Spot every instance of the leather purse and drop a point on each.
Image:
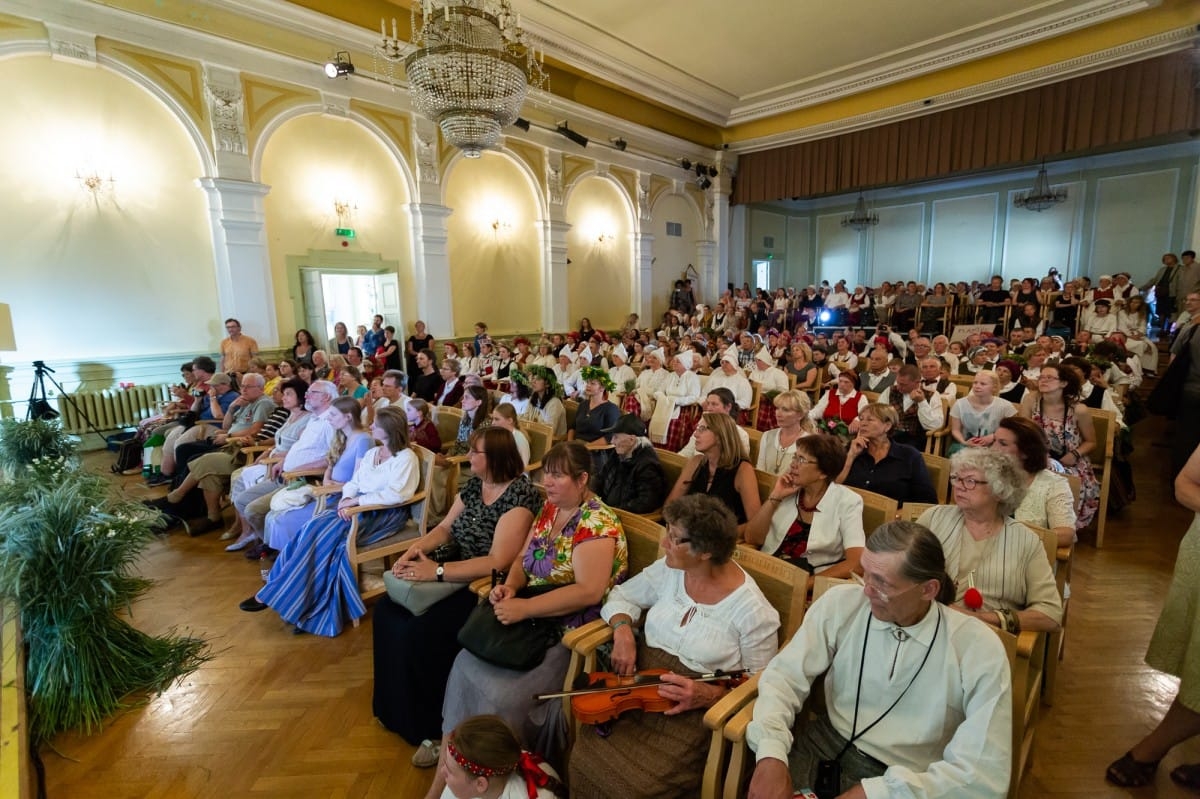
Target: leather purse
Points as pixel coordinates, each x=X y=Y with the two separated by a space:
x=520 y=646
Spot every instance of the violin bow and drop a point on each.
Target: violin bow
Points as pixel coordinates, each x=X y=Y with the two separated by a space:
x=641 y=681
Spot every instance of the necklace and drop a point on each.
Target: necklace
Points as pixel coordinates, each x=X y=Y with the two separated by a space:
x=804 y=508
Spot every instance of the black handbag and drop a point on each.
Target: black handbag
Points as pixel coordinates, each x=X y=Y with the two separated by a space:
x=520 y=646
x=1164 y=400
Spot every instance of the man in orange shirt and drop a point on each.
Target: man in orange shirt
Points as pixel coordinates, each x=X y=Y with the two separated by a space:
x=236 y=350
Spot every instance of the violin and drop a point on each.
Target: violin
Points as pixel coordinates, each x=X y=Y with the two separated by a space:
x=607 y=695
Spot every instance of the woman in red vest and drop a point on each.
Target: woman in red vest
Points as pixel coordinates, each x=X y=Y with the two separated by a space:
x=843 y=401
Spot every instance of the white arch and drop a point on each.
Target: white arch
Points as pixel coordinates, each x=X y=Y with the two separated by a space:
x=531 y=179
x=630 y=208
x=200 y=142
x=689 y=199
x=307 y=109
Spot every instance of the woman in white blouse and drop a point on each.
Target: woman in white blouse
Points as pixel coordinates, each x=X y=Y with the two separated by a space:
x=1048 y=501
x=975 y=417
x=778 y=446
x=702 y=613
x=808 y=519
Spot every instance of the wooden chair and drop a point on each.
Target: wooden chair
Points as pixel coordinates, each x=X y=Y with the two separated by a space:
x=572 y=408
x=936 y=440
x=755 y=440
x=939 y=473
x=397 y=542
x=766 y=482
x=447 y=418
x=755 y=402
x=672 y=464
x=541 y=439
x=877 y=509
x=1105 y=423
x=963 y=383
x=913 y=510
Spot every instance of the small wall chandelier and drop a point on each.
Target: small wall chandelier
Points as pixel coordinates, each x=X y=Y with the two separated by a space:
x=860 y=219
x=470 y=70
x=1042 y=195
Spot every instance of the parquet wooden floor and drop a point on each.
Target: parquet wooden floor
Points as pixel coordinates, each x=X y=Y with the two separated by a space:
x=276 y=715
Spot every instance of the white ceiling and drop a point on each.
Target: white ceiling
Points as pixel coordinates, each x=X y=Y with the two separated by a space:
x=732 y=61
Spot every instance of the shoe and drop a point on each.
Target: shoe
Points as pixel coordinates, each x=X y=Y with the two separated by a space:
x=1130 y=773
x=205 y=525
x=427 y=754
x=230 y=534
x=242 y=543
x=255 y=552
x=158 y=479
x=1187 y=776
x=252 y=605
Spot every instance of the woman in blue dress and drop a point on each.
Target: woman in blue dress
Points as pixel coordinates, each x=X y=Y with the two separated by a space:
x=312 y=584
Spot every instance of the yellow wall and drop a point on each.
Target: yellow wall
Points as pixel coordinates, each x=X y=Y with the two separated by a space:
x=599 y=276
x=126 y=272
x=671 y=254
x=495 y=272
x=309 y=162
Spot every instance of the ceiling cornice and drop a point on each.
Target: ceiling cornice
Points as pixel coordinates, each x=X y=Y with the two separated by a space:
x=1159 y=44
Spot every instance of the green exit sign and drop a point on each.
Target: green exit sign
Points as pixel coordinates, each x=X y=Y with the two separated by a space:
x=344 y=232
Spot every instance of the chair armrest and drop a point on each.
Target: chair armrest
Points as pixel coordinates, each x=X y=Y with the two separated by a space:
x=735 y=728
x=325 y=491
x=724 y=708
x=589 y=638
x=456 y=459
x=270 y=461
x=481 y=587
x=1063 y=554
x=571 y=637
x=1027 y=642
x=305 y=473
x=354 y=510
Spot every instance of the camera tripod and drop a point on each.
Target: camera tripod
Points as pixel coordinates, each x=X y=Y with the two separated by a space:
x=40 y=408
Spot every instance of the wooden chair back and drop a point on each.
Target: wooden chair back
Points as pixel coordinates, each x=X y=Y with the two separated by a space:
x=877 y=509
x=913 y=510
x=766 y=482
x=447 y=418
x=644 y=539
x=572 y=408
x=939 y=474
x=784 y=585
x=541 y=439
x=935 y=440
x=755 y=440
x=755 y=401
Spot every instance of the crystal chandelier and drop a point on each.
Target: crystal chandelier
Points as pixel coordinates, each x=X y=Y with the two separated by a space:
x=1042 y=195
x=860 y=220
x=470 y=70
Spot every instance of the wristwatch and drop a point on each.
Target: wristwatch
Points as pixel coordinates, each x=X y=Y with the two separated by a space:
x=441 y=572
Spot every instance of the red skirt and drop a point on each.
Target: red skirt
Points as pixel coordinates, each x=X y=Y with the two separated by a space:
x=680 y=430
x=766 y=415
x=631 y=404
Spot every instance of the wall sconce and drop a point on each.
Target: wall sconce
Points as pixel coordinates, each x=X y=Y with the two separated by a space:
x=345 y=212
x=91 y=181
x=501 y=227
x=605 y=238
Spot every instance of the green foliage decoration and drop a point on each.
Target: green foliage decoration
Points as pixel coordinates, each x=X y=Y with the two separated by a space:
x=68 y=548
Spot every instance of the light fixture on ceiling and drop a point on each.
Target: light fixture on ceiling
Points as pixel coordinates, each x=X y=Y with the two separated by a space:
x=619 y=143
x=339 y=66
x=1042 y=195
x=564 y=130
x=521 y=123
x=860 y=219
x=685 y=163
x=90 y=180
x=703 y=182
x=470 y=69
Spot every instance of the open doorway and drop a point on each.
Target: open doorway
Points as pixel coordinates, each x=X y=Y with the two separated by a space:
x=762 y=274
x=328 y=286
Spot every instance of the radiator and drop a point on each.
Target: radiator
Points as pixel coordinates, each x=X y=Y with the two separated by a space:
x=111 y=409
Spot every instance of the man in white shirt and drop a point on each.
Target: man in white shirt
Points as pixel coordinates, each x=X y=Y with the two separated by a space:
x=932 y=381
x=941 y=348
x=391 y=392
x=918 y=695
x=919 y=413
x=253 y=502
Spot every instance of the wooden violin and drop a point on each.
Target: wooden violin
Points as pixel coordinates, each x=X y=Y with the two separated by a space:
x=606 y=695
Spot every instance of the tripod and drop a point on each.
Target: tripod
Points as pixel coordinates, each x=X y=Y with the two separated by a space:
x=39 y=407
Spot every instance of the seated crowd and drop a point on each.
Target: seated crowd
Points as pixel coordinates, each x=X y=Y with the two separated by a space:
x=756 y=423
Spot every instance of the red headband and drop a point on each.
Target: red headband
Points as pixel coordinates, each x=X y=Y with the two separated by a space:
x=528 y=764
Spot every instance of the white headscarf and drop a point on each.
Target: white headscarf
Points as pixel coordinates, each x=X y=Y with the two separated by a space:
x=765 y=356
x=685 y=358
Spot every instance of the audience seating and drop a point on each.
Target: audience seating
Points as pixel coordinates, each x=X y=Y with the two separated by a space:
x=755 y=437
x=541 y=439
x=572 y=408
x=447 y=418
x=913 y=510
x=396 y=543
x=755 y=402
x=1105 y=423
x=672 y=464
x=939 y=473
x=936 y=440
x=877 y=509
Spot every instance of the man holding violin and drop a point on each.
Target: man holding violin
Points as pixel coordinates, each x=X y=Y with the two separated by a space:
x=703 y=613
x=918 y=696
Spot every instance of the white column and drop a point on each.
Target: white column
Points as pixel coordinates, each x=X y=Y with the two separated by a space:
x=643 y=275
x=241 y=260
x=1191 y=233
x=721 y=233
x=706 y=265
x=553 y=235
x=431 y=265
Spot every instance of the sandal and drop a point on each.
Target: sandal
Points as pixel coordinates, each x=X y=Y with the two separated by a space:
x=427 y=753
x=1187 y=776
x=1130 y=773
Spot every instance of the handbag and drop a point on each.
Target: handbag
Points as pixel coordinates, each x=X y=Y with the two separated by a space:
x=1165 y=399
x=293 y=496
x=418 y=597
x=520 y=646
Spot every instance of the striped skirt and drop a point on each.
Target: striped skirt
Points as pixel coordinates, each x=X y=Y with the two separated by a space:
x=766 y=415
x=679 y=430
x=312 y=585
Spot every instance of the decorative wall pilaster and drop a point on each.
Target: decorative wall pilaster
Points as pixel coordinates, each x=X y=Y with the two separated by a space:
x=227 y=118
x=431 y=265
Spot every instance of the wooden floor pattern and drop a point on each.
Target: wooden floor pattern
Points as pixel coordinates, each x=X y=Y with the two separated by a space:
x=277 y=715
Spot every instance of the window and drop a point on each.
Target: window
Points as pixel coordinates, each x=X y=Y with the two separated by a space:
x=675 y=229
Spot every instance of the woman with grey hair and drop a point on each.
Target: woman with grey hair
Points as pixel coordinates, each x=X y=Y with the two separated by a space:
x=987 y=550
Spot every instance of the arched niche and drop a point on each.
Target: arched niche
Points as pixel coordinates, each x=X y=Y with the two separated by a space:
x=672 y=253
x=312 y=162
x=600 y=247
x=140 y=242
x=494 y=245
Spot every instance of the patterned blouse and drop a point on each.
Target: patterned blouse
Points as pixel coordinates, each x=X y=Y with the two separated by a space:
x=547 y=561
x=475 y=527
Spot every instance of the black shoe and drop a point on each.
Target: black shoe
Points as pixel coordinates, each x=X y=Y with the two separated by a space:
x=252 y=605
x=205 y=525
x=255 y=552
x=158 y=480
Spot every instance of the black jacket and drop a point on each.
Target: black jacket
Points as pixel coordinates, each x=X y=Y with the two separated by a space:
x=636 y=484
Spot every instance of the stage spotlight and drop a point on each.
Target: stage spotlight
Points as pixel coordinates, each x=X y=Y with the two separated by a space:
x=685 y=163
x=578 y=138
x=339 y=66
x=619 y=143
x=824 y=316
x=703 y=182
x=522 y=123
x=713 y=172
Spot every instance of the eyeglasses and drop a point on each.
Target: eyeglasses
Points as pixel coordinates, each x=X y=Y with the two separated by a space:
x=674 y=541
x=969 y=483
x=476 y=452
x=882 y=595
x=802 y=461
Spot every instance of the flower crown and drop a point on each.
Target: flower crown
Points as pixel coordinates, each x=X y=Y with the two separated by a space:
x=599 y=375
